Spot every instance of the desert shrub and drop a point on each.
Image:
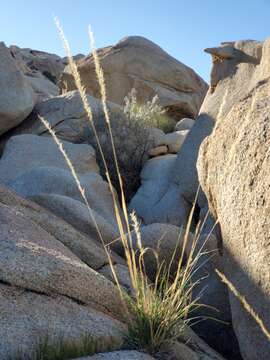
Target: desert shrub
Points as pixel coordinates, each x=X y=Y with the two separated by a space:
x=148 y=114
x=131 y=131
x=132 y=141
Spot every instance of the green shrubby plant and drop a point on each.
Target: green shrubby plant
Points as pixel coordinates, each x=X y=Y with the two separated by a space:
x=131 y=131
x=148 y=114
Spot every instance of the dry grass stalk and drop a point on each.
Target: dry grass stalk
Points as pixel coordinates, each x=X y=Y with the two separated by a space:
x=245 y=304
x=156 y=312
x=82 y=192
x=88 y=110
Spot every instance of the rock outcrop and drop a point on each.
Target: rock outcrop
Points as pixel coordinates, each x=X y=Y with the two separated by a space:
x=84 y=247
x=184 y=124
x=27 y=317
x=135 y=62
x=238 y=68
x=50 y=65
x=234 y=172
x=55 y=274
x=32 y=259
x=17 y=97
x=66 y=115
x=157 y=199
x=34 y=167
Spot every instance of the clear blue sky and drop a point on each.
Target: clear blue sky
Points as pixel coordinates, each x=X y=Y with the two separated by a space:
x=182 y=28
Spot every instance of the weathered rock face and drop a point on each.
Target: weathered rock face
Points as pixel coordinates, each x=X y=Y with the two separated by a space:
x=38 y=70
x=158 y=200
x=191 y=347
x=180 y=183
x=50 y=65
x=66 y=116
x=41 y=85
x=24 y=152
x=34 y=167
x=219 y=100
x=123 y=275
x=17 y=98
x=84 y=247
x=233 y=167
x=232 y=86
x=217 y=103
x=135 y=62
x=26 y=318
x=33 y=259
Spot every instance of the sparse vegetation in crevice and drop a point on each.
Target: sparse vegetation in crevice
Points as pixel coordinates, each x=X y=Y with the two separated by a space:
x=131 y=130
x=157 y=310
x=160 y=310
x=62 y=349
x=149 y=114
x=131 y=143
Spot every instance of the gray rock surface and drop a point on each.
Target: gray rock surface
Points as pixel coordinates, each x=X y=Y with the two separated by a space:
x=42 y=86
x=175 y=140
x=123 y=275
x=27 y=152
x=78 y=215
x=49 y=65
x=33 y=259
x=135 y=62
x=163 y=143
x=119 y=355
x=164 y=241
x=17 y=98
x=184 y=124
x=86 y=248
x=34 y=167
x=26 y=318
x=158 y=200
x=66 y=115
x=233 y=168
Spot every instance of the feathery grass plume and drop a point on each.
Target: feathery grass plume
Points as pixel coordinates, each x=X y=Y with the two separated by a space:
x=126 y=239
x=156 y=311
x=88 y=110
x=102 y=85
x=101 y=80
x=87 y=107
x=244 y=303
x=82 y=193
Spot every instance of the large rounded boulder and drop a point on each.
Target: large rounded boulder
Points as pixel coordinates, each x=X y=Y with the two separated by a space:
x=135 y=62
x=17 y=97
